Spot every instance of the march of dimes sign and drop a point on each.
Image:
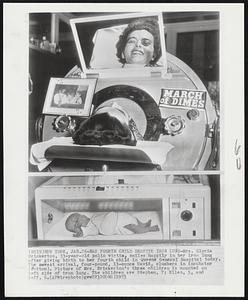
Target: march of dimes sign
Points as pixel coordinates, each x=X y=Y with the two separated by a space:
x=183 y=98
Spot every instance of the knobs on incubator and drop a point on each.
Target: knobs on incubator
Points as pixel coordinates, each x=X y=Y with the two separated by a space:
x=186 y=215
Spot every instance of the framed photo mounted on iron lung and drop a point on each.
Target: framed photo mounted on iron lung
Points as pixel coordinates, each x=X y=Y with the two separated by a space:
x=69 y=96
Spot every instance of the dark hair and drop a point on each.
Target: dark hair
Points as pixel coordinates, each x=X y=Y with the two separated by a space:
x=103 y=129
x=74 y=222
x=149 y=24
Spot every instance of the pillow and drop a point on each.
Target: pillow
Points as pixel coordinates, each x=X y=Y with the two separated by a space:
x=104 y=52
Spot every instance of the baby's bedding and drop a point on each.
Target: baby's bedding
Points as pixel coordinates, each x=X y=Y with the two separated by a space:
x=59 y=232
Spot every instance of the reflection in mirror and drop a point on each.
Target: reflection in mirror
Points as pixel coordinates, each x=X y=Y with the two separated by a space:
x=133 y=40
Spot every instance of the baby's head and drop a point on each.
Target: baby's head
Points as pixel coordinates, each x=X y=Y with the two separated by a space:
x=74 y=223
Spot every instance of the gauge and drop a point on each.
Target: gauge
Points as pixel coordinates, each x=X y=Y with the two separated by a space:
x=173 y=125
x=64 y=123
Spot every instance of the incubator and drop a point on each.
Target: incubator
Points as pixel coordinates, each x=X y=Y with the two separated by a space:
x=171 y=208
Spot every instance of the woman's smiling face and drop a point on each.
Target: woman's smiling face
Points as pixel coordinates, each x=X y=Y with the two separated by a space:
x=139 y=48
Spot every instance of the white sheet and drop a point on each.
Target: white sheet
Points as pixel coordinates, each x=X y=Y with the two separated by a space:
x=157 y=151
x=59 y=232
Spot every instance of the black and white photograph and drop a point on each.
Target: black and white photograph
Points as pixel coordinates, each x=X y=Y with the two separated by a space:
x=71 y=96
x=124 y=174
x=119 y=36
x=124 y=210
x=164 y=118
x=145 y=221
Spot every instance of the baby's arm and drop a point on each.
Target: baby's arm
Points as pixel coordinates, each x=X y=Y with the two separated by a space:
x=142 y=227
x=90 y=229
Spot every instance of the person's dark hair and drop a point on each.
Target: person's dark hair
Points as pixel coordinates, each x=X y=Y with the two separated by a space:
x=103 y=129
x=71 y=222
x=149 y=24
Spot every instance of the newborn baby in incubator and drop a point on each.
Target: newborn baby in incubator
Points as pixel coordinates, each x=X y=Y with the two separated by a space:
x=107 y=223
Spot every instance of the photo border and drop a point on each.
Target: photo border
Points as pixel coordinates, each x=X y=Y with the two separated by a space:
x=85 y=112
x=75 y=21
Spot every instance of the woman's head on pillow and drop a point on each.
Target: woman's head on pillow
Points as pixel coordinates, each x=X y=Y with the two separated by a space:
x=140 y=43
